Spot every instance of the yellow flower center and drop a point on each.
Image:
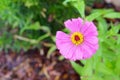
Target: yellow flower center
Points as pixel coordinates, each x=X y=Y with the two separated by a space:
x=77 y=38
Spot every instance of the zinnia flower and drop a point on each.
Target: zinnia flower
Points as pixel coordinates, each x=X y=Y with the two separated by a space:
x=80 y=43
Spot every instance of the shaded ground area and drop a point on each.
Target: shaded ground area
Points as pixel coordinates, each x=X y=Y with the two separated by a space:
x=34 y=65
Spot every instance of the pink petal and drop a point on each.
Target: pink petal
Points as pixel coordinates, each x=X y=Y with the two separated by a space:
x=64 y=44
x=93 y=48
x=67 y=50
x=62 y=35
x=89 y=29
x=91 y=40
x=74 y=24
x=87 y=53
x=79 y=54
x=61 y=38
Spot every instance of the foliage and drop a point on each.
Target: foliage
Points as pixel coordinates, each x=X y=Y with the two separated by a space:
x=104 y=65
x=29 y=23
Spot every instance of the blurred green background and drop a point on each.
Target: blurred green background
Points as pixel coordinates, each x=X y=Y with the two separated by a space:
x=28 y=23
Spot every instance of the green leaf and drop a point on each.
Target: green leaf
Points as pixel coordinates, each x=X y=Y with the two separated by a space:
x=101 y=67
x=66 y=1
x=113 y=77
x=43 y=37
x=45 y=28
x=34 y=26
x=88 y=68
x=60 y=58
x=117 y=67
x=97 y=13
x=80 y=6
x=66 y=30
x=51 y=50
x=102 y=25
x=77 y=67
x=115 y=28
x=112 y=15
x=118 y=40
x=93 y=16
x=95 y=77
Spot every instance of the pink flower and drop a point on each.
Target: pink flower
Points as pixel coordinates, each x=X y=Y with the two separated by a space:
x=81 y=43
